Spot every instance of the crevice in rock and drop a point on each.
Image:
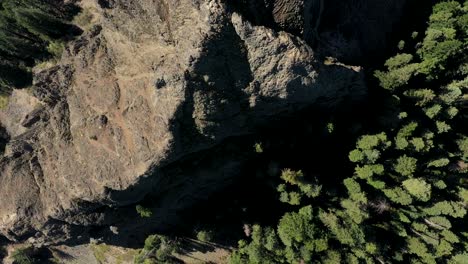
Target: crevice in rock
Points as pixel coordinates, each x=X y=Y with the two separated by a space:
x=107 y=4
x=4 y=139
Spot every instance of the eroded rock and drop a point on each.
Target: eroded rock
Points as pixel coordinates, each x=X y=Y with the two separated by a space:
x=106 y=130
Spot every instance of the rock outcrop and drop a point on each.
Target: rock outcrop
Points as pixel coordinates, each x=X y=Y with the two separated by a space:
x=350 y=30
x=151 y=83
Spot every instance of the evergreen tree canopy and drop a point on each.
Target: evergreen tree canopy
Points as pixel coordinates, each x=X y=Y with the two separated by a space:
x=406 y=201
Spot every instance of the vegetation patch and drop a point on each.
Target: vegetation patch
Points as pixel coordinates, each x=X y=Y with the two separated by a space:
x=205 y=235
x=406 y=200
x=3 y=101
x=100 y=251
x=157 y=249
x=31 y=31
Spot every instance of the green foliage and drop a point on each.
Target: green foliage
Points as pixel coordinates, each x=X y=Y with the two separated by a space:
x=23 y=256
x=3 y=101
x=405 y=165
x=432 y=111
x=463 y=147
x=296 y=227
x=353 y=209
x=157 y=249
x=449 y=208
x=418 y=188
x=396 y=77
x=356 y=155
x=258 y=148
x=420 y=96
x=463 y=194
x=401 y=45
x=143 y=211
x=398 y=195
x=56 y=48
x=354 y=190
x=367 y=171
x=368 y=142
x=439 y=162
x=407 y=199
x=100 y=251
x=298 y=187
x=398 y=61
x=205 y=235
x=292 y=177
x=442 y=127
x=330 y=127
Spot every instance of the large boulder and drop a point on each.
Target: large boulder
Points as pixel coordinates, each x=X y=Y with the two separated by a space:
x=151 y=83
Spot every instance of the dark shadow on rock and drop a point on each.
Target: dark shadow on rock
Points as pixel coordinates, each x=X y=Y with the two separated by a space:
x=61 y=255
x=214 y=93
x=258 y=12
x=357 y=32
x=216 y=82
x=12 y=75
x=3 y=252
x=33 y=47
x=35 y=255
x=4 y=138
x=364 y=32
x=212 y=131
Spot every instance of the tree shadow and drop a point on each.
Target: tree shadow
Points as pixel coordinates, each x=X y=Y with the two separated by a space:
x=187 y=247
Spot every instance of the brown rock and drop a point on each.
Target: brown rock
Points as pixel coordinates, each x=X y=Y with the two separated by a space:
x=108 y=126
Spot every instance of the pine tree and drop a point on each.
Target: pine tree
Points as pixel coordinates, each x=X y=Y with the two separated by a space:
x=407 y=199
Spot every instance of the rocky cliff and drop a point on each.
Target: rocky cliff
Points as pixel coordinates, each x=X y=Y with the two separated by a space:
x=354 y=31
x=149 y=85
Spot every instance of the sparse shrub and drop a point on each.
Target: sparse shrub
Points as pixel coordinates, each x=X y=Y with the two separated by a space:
x=23 y=256
x=157 y=249
x=205 y=235
x=56 y=48
x=143 y=211
x=100 y=252
x=258 y=147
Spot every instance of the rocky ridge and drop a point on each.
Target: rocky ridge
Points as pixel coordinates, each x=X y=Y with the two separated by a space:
x=151 y=83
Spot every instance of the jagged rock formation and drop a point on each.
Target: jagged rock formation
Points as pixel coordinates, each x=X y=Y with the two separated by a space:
x=150 y=84
x=350 y=30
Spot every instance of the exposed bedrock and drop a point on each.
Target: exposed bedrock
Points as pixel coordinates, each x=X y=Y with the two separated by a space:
x=353 y=31
x=148 y=89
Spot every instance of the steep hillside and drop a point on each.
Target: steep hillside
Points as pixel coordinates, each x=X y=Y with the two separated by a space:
x=148 y=84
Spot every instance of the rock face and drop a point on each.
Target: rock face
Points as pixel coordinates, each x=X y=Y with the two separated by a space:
x=350 y=30
x=150 y=84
